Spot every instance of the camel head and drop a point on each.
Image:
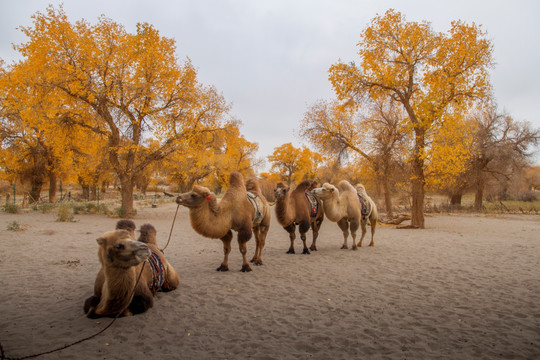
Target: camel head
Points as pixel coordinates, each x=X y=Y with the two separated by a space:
x=197 y=197
x=117 y=249
x=281 y=191
x=325 y=192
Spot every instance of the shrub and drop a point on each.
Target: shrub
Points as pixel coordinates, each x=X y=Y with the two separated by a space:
x=15 y=226
x=65 y=213
x=11 y=208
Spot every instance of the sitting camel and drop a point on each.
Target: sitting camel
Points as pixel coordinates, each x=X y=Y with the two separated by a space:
x=116 y=290
x=369 y=212
x=216 y=219
x=298 y=207
x=343 y=208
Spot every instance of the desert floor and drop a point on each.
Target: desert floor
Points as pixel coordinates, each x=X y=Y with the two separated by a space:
x=466 y=287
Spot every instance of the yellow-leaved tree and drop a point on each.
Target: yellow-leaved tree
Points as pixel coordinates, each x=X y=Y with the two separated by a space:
x=295 y=164
x=132 y=86
x=427 y=72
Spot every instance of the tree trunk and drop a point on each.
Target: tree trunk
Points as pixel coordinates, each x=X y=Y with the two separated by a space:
x=417 y=181
x=455 y=199
x=35 y=190
x=52 y=187
x=85 y=192
x=126 y=191
x=387 y=197
x=479 y=195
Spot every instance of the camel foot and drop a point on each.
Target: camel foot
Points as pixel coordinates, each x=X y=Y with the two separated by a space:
x=313 y=248
x=222 y=268
x=306 y=251
x=257 y=262
x=354 y=247
x=245 y=268
x=290 y=251
x=371 y=244
x=344 y=247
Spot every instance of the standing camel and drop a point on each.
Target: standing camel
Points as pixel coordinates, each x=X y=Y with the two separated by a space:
x=369 y=212
x=342 y=208
x=298 y=207
x=216 y=219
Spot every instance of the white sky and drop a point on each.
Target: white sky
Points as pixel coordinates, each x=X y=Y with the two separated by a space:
x=270 y=59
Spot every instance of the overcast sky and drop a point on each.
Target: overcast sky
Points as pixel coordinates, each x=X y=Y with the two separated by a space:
x=270 y=59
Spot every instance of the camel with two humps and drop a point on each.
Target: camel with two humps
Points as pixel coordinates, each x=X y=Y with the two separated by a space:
x=217 y=219
x=298 y=207
x=132 y=272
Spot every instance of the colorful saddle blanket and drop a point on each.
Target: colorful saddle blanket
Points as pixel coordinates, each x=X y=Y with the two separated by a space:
x=253 y=201
x=314 y=203
x=158 y=272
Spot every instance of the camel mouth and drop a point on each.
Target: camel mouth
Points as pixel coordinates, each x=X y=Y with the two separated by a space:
x=142 y=254
x=179 y=200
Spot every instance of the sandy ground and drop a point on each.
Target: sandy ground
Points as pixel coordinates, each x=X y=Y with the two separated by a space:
x=465 y=287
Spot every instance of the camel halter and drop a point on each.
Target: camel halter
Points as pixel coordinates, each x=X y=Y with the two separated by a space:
x=172 y=227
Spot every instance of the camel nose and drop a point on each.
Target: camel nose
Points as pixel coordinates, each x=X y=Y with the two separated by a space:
x=179 y=200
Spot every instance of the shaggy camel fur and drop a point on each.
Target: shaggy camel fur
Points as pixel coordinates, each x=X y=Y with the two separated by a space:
x=343 y=208
x=295 y=208
x=369 y=213
x=122 y=260
x=216 y=219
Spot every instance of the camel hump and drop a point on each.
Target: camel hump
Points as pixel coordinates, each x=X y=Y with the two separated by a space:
x=148 y=234
x=304 y=185
x=344 y=185
x=252 y=185
x=236 y=180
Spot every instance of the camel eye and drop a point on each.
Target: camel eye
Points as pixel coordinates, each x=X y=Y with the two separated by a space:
x=119 y=246
x=193 y=196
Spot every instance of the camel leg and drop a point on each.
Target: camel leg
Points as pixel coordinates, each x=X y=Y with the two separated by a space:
x=353 y=226
x=257 y=235
x=344 y=226
x=291 y=229
x=303 y=228
x=373 y=223
x=263 y=231
x=315 y=226
x=226 y=251
x=364 y=224
x=243 y=236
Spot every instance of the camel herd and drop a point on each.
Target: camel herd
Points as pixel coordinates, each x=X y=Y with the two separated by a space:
x=133 y=270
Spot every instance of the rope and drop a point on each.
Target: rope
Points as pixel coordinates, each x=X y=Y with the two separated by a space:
x=172 y=226
x=4 y=357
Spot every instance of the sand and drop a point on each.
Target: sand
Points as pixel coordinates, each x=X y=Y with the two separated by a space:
x=466 y=287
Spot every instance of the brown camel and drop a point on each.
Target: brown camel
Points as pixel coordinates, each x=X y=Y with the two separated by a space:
x=298 y=207
x=369 y=212
x=116 y=290
x=261 y=220
x=217 y=219
x=342 y=208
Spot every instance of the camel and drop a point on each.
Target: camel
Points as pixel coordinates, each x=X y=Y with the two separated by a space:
x=217 y=219
x=369 y=212
x=261 y=220
x=298 y=207
x=116 y=290
x=342 y=208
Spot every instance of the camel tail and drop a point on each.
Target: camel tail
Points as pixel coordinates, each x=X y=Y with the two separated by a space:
x=236 y=180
